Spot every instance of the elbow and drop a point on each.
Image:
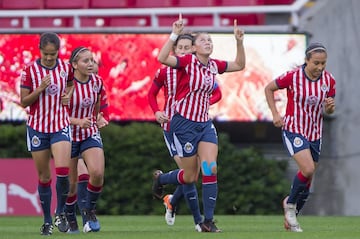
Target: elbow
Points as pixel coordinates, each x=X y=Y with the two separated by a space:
x=161 y=59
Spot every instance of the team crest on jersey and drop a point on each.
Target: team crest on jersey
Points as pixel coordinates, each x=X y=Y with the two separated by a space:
x=86 y=103
x=207 y=80
x=298 y=142
x=35 y=141
x=62 y=73
x=52 y=89
x=324 y=87
x=312 y=99
x=188 y=148
x=213 y=70
x=96 y=88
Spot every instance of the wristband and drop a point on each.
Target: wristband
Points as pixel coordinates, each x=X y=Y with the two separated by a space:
x=173 y=36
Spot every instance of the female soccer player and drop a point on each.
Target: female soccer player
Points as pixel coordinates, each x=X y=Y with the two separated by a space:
x=87 y=143
x=193 y=134
x=46 y=87
x=167 y=77
x=310 y=91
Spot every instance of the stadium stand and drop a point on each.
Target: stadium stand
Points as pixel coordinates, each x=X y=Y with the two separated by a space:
x=140 y=15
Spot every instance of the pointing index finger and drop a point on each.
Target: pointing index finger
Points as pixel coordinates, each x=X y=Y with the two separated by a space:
x=180 y=17
x=235 y=22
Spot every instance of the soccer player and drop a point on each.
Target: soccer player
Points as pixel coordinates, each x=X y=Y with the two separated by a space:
x=167 y=77
x=46 y=87
x=87 y=143
x=310 y=92
x=83 y=173
x=193 y=133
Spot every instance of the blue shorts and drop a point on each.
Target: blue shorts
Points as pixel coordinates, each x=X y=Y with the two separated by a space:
x=296 y=142
x=169 y=143
x=37 y=141
x=188 y=134
x=77 y=148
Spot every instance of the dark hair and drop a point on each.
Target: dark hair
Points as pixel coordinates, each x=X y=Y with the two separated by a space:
x=75 y=53
x=188 y=36
x=314 y=47
x=49 y=38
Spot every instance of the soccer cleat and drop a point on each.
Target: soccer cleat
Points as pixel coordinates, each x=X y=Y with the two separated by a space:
x=46 y=229
x=61 y=222
x=157 y=189
x=92 y=223
x=73 y=225
x=209 y=226
x=198 y=227
x=290 y=217
x=170 y=213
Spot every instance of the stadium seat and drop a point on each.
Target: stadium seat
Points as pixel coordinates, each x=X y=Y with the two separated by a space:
x=51 y=22
x=278 y=2
x=241 y=2
x=189 y=20
x=66 y=4
x=242 y=19
x=194 y=3
x=22 y=4
x=13 y=22
x=130 y=21
x=111 y=3
x=155 y=3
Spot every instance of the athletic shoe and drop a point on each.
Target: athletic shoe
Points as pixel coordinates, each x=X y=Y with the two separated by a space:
x=198 y=227
x=61 y=222
x=209 y=226
x=92 y=223
x=170 y=213
x=157 y=189
x=73 y=225
x=46 y=229
x=290 y=217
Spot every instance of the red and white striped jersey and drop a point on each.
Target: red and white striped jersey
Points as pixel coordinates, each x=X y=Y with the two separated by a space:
x=195 y=87
x=305 y=101
x=165 y=77
x=47 y=114
x=83 y=104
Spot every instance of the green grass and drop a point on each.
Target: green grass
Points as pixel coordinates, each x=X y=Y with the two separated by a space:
x=149 y=227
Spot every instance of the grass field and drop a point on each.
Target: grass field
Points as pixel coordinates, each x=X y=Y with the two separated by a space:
x=233 y=227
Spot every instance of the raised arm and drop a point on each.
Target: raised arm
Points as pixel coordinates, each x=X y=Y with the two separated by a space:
x=164 y=56
x=239 y=63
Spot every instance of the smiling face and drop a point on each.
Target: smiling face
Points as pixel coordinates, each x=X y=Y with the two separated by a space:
x=315 y=64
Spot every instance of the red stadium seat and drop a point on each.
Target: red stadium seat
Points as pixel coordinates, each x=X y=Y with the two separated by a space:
x=66 y=4
x=189 y=20
x=194 y=3
x=14 y=22
x=130 y=21
x=22 y=4
x=94 y=21
x=51 y=22
x=278 y=2
x=242 y=19
x=111 y=3
x=241 y=2
x=155 y=3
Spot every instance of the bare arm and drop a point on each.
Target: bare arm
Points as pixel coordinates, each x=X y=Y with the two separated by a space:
x=240 y=60
x=164 y=55
x=269 y=94
x=329 y=105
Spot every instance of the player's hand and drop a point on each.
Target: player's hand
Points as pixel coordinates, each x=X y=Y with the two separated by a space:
x=45 y=82
x=278 y=120
x=239 y=33
x=329 y=105
x=65 y=99
x=178 y=25
x=101 y=121
x=85 y=122
x=161 y=117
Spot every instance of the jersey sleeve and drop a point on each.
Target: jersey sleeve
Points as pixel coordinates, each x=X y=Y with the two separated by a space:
x=158 y=82
x=26 y=79
x=284 y=80
x=215 y=95
x=332 y=88
x=221 y=65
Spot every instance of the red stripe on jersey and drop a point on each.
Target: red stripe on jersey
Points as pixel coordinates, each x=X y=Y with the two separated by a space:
x=47 y=114
x=83 y=105
x=195 y=86
x=305 y=100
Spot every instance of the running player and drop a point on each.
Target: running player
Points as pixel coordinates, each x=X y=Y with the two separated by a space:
x=193 y=133
x=311 y=91
x=46 y=87
x=87 y=143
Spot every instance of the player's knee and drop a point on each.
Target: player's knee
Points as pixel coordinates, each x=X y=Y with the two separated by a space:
x=209 y=169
